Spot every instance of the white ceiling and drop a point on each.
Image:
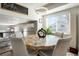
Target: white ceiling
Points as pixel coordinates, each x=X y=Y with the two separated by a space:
x=53 y=5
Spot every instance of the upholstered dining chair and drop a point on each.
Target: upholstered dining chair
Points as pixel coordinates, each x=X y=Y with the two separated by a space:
x=19 y=48
x=61 y=47
x=59 y=34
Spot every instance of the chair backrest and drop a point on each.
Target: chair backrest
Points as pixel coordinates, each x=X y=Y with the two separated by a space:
x=61 y=47
x=59 y=34
x=18 y=46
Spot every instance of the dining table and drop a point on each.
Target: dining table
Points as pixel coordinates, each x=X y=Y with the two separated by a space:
x=35 y=43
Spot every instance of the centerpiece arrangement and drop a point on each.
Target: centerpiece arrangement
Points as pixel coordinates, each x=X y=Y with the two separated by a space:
x=44 y=31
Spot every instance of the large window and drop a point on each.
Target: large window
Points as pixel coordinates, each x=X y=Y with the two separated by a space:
x=59 y=22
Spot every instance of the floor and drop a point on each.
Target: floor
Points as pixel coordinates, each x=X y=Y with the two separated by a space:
x=10 y=53
x=70 y=54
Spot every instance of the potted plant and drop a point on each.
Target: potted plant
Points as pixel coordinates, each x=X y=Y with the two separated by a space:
x=48 y=31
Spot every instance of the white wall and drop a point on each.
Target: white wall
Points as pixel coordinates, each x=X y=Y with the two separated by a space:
x=3 y=28
x=73 y=14
x=78 y=30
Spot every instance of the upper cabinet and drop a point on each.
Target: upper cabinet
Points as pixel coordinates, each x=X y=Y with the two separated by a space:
x=14 y=7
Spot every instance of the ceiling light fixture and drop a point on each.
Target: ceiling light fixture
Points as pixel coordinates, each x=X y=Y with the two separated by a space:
x=41 y=10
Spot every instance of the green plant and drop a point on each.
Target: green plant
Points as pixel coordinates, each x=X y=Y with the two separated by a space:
x=48 y=30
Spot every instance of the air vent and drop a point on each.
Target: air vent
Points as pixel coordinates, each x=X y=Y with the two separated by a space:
x=14 y=7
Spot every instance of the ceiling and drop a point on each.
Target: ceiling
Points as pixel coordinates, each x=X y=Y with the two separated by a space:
x=38 y=5
x=53 y=5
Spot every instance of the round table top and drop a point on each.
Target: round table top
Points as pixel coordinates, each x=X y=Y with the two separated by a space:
x=35 y=41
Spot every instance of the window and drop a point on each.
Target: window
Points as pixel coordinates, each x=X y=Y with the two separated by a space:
x=58 y=22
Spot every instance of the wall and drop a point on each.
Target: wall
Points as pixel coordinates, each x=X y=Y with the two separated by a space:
x=73 y=14
x=77 y=28
x=3 y=28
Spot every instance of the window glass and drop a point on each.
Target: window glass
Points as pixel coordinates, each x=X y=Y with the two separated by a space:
x=58 y=22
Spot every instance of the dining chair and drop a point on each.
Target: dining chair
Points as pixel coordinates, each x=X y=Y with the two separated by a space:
x=59 y=34
x=61 y=48
x=19 y=48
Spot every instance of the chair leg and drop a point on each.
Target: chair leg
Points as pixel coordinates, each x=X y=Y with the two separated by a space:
x=35 y=51
x=12 y=52
x=38 y=54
